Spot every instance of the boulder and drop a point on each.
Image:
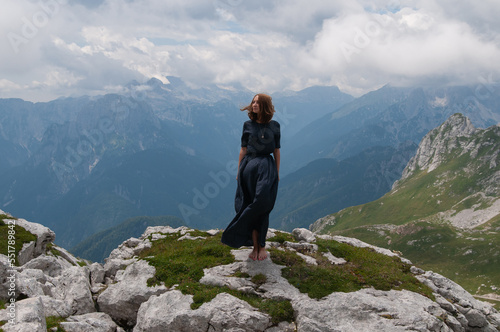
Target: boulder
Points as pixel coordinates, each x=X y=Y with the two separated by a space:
x=370 y=310
x=29 y=316
x=73 y=286
x=34 y=249
x=122 y=300
x=172 y=312
x=92 y=322
x=302 y=234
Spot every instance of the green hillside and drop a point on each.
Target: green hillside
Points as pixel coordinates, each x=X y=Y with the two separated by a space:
x=444 y=212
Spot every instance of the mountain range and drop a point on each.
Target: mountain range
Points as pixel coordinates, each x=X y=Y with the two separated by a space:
x=84 y=165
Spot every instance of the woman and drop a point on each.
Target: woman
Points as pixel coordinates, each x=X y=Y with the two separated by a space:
x=258 y=176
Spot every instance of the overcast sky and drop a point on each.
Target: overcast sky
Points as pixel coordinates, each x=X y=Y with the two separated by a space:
x=54 y=48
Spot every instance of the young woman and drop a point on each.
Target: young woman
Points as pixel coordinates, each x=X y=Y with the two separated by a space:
x=258 y=176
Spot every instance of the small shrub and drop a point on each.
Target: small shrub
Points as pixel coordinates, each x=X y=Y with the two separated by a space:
x=281 y=237
x=259 y=279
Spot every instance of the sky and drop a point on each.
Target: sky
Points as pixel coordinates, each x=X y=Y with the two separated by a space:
x=62 y=48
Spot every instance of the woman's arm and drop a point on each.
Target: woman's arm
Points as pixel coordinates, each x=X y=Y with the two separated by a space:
x=243 y=152
x=277 y=157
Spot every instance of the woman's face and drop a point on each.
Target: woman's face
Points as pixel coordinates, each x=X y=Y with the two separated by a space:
x=255 y=105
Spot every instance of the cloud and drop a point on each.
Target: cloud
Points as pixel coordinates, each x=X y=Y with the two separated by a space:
x=58 y=48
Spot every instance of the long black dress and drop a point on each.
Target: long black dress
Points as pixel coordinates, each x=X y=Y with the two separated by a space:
x=257 y=184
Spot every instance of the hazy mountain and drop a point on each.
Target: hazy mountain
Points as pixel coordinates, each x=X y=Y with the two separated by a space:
x=82 y=165
x=444 y=212
x=388 y=117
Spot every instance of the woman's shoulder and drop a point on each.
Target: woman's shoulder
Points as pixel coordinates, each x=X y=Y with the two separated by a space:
x=274 y=123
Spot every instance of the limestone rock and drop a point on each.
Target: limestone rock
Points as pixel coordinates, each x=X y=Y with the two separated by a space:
x=73 y=286
x=122 y=300
x=302 y=234
x=92 y=322
x=370 y=310
x=44 y=236
x=172 y=312
x=29 y=316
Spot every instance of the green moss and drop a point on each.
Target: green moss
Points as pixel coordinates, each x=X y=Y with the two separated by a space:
x=182 y=262
x=468 y=257
x=179 y=262
x=54 y=322
x=282 y=237
x=364 y=268
x=259 y=279
x=9 y=230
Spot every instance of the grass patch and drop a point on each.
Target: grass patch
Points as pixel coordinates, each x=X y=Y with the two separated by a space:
x=468 y=257
x=282 y=237
x=364 y=268
x=259 y=279
x=182 y=262
x=7 y=230
x=54 y=322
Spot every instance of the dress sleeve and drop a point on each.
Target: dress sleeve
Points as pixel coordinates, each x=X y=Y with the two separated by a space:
x=245 y=135
x=277 y=135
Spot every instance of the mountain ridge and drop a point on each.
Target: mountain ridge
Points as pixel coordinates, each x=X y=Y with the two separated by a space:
x=445 y=205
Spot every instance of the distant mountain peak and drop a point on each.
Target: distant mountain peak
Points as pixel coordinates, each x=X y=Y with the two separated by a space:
x=439 y=142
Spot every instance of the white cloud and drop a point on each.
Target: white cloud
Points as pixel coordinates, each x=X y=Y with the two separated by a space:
x=87 y=47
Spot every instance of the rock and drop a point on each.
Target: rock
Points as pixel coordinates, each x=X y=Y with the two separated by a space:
x=361 y=244
x=308 y=259
x=92 y=322
x=44 y=236
x=370 y=310
x=163 y=230
x=189 y=237
x=308 y=247
x=66 y=255
x=302 y=234
x=172 y=312
x=56 y=308
x=73 y=286
x=112 y=266
x=125 y=251
x=334 y=260
x=30 y=283
x=97 y=273
x=29 y=316
x=50 y=265
x=476 y=318
x=213 y=232
x=122 y=300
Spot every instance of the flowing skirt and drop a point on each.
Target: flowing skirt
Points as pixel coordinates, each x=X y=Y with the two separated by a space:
x=254 y=200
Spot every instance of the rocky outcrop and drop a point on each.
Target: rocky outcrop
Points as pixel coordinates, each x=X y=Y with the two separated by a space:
x=440 y=142
x=116 y=296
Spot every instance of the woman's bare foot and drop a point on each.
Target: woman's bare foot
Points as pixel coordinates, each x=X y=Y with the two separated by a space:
x=254 y=254
x=262 y=254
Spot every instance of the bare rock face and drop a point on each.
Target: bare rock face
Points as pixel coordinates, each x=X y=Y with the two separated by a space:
x=439 y=142
x=116 y=296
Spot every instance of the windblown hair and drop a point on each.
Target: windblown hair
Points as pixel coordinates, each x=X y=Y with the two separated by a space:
x=266 y=109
